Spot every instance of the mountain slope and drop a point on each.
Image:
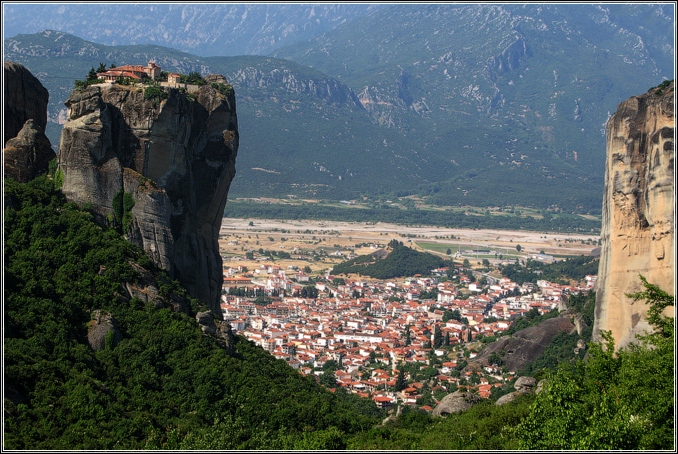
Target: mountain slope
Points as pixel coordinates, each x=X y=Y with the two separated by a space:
x=479 y=105
x=203 y=29
x=301 y=132
x=490 y=86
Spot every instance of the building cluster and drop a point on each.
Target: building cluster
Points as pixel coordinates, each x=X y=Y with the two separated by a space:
x=138 y=73
x=133 y=72
x=372 y=328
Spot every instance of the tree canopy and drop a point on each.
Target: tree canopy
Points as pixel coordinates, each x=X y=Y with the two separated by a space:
x=615 y=399
x=164 y=384
x=401 y=261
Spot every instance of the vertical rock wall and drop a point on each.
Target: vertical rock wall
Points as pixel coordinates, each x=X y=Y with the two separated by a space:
x=26 y=149
x=24 y=98
x=638 y=232
x=175 y=157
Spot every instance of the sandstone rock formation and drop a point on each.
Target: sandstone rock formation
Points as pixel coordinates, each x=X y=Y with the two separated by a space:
x=24 y=99
x=27 y=150
x=147 y=286
x=28 y=154
x=220 y=329
x=159 y=170
x=638 y=236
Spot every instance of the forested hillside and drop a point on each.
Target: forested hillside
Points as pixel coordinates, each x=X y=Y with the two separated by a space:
x=164 y=384
x=400 y=261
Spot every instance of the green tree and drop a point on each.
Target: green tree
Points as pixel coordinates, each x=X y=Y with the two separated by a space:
x=437 y=337
x=193 y=78
x=401 y=381
x=613 y=400
x=407 y=335
x=494 y=359
x=92 y=75
x=328 y=378
x=123 y=202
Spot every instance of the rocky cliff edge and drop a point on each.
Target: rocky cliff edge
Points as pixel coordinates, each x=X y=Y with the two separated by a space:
x=159 y=169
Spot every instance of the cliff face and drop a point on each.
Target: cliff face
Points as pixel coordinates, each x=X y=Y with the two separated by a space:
x=27 y=150
x=160 y=170
x=24 y=99
x=638 y=212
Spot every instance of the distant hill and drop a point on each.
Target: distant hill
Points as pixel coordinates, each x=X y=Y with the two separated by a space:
x=400 y=261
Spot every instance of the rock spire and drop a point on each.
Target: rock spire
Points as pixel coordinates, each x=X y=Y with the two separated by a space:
x=638 y=232
x=159 y=168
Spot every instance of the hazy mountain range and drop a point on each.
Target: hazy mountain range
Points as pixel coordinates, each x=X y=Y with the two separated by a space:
x=217 y=29
x=484 y=104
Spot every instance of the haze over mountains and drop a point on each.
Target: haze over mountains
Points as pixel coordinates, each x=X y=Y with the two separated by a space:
x=463 y=104
x=201 y=29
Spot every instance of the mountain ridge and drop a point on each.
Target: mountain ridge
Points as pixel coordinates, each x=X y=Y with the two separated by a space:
x=205 y=29
x=457 y=125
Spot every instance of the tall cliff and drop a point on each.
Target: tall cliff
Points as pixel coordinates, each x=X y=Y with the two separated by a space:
x=27 y=150
x=159 y=170
x=638 y=236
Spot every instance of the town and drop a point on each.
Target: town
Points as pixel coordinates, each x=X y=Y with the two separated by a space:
x=403 y=341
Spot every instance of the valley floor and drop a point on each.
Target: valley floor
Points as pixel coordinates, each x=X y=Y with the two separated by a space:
x=239 y=235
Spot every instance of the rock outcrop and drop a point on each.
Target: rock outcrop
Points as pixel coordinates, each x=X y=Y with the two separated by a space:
x=27 y=150
x=102 y=329
x=526 y=345
x=25 y=98
x=638 y=236
x=456 y=402
x=523 y=385
x=157 y=169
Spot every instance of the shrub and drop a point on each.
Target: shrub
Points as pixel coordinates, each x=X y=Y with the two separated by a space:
x=155 y=93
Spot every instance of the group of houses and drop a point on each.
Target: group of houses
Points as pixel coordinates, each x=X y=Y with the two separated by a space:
x=138 y=73
x=308 y=332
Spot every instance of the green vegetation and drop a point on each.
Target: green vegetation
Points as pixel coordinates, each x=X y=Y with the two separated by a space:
x=123 y=202
x=153 y=91
x=482 y=427
x=164 y=384
x=659 y=89
x=90 y=80
x=562 y=347
x=193 y=78
x=396 y=215
x=613 y=400
x=401 y=261
x=224 y=89
x=561 y=272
